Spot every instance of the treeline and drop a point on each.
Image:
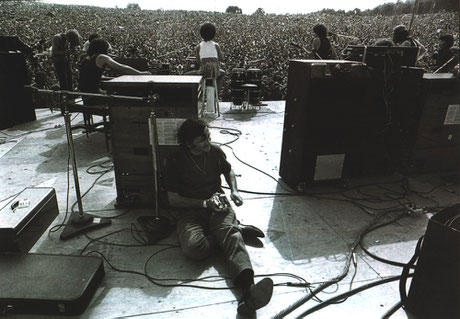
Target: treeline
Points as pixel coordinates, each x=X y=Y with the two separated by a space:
x=405 y=7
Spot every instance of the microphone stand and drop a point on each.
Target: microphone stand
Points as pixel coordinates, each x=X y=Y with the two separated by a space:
x=156 y=227
x=78 y=222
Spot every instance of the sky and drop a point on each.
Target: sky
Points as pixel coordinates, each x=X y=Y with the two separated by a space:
x=247 y=6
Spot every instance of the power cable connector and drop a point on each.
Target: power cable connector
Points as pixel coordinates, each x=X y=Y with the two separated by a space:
x=414 y=210
x=296 y=284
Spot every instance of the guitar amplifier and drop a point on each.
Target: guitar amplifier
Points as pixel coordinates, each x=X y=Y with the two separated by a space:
x=330 y=120
x=16 y=106
x=26 y=217
x=437 y=145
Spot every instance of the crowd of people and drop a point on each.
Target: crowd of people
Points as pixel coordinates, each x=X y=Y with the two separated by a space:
x=266 y=42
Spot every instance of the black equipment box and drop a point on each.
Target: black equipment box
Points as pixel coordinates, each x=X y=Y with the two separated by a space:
x=330 y=119
x=16 y=106
x=178 y=99
x=378 y=57
x=48 y=284
x=435 y=287
x=437 y=146
x=24 y=218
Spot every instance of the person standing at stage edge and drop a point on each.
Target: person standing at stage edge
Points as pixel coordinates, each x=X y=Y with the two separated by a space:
x=321 y=46
x=206 y=222
x=64 y=52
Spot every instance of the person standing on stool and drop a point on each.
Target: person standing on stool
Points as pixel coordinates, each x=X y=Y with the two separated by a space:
x=206 y=222
x=209 y=56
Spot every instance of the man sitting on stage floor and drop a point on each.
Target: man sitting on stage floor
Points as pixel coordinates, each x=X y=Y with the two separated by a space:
x=205 y=220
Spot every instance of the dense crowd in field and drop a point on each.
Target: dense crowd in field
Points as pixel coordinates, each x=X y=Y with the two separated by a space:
x=248 y=41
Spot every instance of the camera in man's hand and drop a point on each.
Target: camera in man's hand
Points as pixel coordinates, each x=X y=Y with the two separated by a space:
x=218 y=202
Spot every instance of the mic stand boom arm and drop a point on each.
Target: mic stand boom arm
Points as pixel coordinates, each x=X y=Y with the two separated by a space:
x=80 y=222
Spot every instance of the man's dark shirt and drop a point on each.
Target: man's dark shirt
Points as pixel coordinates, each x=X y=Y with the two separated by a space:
x=90 y=79
x=442 y=56
x=196 y=176
x=325 y=49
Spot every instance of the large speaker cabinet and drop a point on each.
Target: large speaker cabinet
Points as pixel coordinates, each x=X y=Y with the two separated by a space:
x=437 y=146
x=132 y=152
x=16 y=105
x=330 y=122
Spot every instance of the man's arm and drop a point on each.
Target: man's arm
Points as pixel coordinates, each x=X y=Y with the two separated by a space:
x=104 y=60
x=230 y=177
x=219 y=53
x=213 y=203
x=175 y=200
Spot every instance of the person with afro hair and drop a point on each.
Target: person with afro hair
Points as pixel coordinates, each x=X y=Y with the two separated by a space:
x=208 y=55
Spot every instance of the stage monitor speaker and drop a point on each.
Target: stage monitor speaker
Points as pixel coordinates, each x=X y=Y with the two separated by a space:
x=330 y=118
x=435 y=287
x=16 y=105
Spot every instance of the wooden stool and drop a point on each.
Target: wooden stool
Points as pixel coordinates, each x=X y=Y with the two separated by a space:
x=210 y=97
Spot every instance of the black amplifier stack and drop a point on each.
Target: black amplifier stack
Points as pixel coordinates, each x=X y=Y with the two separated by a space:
x=16 y=106
x=344 y=119
x=437 y=138
x=329 y=120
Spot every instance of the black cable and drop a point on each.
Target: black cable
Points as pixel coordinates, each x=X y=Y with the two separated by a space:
x=264 y=173
x=92 y=185
x=186 y=282
x=337 y=279
x=301 y=301
x=392 y=310
x=57 y=227
x=349 y=294
x=387 y=261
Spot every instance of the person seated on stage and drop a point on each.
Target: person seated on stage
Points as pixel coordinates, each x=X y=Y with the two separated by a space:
x=64 y=52
x=384 y=43
x=401 y=38
x=91 y=37
x=208 y=55
x=94 y=64
x=205 y=224
x=321 y=46
x=445 y=57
